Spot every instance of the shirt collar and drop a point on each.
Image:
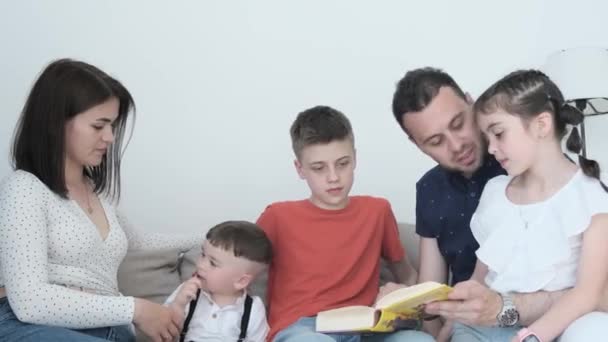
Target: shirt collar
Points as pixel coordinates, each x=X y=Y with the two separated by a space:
x=239 y=301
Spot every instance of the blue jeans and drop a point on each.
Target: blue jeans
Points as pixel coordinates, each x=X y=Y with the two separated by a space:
x=467 y=333
x=12 y=329
x=303 y=330
x=590 y=327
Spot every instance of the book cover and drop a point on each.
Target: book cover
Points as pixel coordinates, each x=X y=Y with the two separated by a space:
x=400 y=309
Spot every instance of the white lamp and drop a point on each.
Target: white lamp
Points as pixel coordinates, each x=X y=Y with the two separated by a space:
x=582 y=76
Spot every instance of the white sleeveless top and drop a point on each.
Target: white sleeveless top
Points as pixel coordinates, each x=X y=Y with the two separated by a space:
x=534 y=247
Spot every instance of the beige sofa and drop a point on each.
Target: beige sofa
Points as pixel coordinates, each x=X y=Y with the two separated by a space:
x=155 y=274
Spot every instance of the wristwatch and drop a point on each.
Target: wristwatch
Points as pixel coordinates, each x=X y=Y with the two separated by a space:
x=525 y=335
x=508 y=315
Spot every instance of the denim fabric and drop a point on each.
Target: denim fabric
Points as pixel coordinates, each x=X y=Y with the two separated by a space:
x=303 y=330
x=11 y=329
x=466 y=333
x=590 y=327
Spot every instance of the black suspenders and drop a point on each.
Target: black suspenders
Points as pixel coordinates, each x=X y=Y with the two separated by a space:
x=244 y=318
x=193 y=302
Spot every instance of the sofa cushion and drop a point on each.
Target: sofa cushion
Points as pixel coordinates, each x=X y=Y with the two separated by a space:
x=410 y=240
x=155 y=274
x=407 y=234
x=149 y=274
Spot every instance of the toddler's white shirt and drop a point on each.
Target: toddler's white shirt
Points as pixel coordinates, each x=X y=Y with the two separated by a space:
x=213 y=323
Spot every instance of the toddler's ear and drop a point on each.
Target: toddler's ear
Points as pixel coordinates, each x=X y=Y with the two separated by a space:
x=243 y=281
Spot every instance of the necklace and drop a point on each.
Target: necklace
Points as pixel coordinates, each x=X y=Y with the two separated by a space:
x=89 y=207
x=87 y=192
x=87 y=195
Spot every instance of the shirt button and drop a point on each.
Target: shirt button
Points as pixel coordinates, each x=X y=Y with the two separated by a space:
x=473 y=194
x=214 y=316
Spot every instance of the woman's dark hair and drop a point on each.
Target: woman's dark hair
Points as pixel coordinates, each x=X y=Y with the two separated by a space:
x=64 y=89
x=528 y=93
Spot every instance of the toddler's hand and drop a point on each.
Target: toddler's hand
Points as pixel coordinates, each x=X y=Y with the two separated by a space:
x=187 y=292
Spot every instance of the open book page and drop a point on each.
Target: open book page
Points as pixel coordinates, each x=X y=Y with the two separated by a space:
x=397 y=310
x=412 y=297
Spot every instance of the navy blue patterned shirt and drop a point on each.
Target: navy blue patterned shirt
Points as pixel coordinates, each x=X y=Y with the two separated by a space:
x=445 y=202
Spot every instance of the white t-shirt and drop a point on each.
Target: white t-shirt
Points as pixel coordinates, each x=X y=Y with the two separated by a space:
x=534 y=247
x=223 y=324
x=46 y=240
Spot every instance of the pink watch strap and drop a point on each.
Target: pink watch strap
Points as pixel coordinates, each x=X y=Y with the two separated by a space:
x=525 y=332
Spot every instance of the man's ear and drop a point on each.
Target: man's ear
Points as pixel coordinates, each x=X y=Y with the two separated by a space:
x=243 y=281
x=298 y=166
x=543 y=124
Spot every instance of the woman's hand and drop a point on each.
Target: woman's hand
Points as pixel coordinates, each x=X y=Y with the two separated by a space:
x=158 y=322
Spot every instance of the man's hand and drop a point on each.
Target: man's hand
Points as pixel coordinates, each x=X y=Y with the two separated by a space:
x=470 y=303
x=388 y=288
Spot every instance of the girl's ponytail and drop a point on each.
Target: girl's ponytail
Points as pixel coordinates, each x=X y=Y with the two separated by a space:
x=574 y=117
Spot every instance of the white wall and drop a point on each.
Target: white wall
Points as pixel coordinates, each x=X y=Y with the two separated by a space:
x=217 y=84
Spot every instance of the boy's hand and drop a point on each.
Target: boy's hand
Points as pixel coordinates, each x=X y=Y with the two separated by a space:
x=388 y=288
x=187 y=292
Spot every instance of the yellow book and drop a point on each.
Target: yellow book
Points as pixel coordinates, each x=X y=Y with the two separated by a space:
x=396 y=310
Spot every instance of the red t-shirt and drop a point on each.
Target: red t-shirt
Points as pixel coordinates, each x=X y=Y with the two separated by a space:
x=324 y=259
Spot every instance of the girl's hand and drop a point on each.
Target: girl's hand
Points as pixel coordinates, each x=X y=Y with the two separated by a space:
x=445 y=333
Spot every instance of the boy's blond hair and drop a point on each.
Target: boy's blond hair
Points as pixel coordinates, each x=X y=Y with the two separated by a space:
x=319 y=125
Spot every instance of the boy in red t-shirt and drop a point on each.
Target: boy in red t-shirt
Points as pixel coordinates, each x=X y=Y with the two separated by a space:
x=327 y=248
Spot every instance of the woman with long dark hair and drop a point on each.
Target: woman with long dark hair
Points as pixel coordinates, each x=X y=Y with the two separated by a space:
x=61 y=239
